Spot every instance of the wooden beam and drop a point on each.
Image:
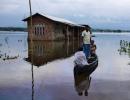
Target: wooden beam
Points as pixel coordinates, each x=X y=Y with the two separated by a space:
x=67 y=33
x=73 y=38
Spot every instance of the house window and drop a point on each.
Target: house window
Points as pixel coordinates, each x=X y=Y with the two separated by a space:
x=35 y=30
x=43 y=30
x=39 y=29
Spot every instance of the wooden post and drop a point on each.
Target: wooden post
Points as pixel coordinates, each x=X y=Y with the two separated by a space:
x=73 y=38
x=67 y=33
x=31 y=49
x=67 y=41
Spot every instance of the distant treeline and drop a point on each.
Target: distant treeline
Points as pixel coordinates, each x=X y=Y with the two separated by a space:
x=109 y=30
x=13 y=29
x=25 y=29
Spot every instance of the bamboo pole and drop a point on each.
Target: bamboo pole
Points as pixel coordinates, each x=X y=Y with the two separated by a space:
x=31 y=35
x=31 y=20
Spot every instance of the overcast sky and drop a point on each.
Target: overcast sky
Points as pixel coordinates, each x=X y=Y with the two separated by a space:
x=108 y=14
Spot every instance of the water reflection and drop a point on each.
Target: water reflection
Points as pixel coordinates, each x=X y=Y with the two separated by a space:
x=47 y=51
x=82 y=82
x=41 y=52
x=82 y=75
x=33 y=91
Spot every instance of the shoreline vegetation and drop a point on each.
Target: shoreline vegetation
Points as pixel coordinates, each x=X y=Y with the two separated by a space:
x=23 y=29
x=110 y=30
x=13 y=29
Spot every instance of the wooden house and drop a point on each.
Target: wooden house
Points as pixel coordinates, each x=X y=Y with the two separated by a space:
x=46 y=27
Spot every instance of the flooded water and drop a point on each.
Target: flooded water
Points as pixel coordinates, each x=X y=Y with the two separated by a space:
x=52 y=78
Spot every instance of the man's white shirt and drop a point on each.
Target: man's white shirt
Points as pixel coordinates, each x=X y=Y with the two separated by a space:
x=86 y=37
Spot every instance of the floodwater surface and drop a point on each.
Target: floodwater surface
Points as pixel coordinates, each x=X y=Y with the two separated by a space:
x=52 y=78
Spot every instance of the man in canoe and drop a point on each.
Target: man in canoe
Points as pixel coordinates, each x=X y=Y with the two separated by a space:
x=86 y=37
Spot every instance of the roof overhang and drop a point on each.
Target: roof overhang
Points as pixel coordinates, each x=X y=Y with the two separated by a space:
x=55 y=19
